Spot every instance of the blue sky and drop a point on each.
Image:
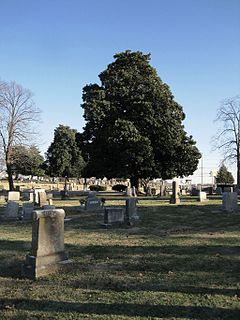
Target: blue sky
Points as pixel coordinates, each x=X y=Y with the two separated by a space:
x=55 y=47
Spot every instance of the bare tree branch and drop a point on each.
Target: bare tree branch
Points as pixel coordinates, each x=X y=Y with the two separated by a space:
x=17 y=115
x=228 y=137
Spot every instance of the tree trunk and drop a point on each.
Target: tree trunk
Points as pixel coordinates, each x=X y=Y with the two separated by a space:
x=238 y=171
x=10 y=177
x=135 y=183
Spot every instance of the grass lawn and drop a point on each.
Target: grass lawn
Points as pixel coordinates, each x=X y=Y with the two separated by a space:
x=177 y=262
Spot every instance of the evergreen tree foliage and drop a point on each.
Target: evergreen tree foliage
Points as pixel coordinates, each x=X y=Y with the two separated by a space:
x=27 y=161
x=224 y=176
x=133 y=124
x=64 y=157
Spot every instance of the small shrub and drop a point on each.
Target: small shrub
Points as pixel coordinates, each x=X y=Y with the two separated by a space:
x=119 y=187
x=97 y=188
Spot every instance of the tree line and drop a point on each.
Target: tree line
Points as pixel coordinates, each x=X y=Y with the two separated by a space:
x=133 y=129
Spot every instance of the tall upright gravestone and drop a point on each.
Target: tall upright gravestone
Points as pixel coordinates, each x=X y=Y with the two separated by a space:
x=47 y=250
x=175 y=193
x=230 y=201
x=131 y=209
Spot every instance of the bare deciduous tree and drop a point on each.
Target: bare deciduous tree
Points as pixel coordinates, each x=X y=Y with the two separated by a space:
x=228 y=137
x=17 y=115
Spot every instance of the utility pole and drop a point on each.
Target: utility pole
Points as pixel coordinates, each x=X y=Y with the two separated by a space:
x=202 y=171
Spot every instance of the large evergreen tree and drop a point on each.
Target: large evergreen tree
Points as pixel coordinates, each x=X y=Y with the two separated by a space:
x=64 y=158
x=224 y=176
x=133 y=124
x=27 y=161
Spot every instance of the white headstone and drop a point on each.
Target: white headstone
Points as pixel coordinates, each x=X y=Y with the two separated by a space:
x=13 y=196
x=202 y=196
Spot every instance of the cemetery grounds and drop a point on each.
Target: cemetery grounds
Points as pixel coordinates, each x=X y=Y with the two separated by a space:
x=177 y=262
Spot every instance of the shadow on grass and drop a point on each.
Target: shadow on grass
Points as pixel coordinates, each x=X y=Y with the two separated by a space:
x=10 y=257
x=124 y=309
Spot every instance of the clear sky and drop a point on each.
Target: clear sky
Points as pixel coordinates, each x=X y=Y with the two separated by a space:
x=55 y=47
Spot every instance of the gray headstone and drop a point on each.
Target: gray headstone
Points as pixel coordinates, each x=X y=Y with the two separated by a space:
x=11 y=210
x=13 y=196
x=175 y=193
x=128 y=192
x=230 y=201
x=27 y=210
x=2 y=198
x=93 y=204
x=113 y=215
x=131 y=209
x=47 y=249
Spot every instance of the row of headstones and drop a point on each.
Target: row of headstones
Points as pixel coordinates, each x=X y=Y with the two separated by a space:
x=175 y=197
x=38 y=197
x=111 y=215
x=47 y=248
x=229 y=199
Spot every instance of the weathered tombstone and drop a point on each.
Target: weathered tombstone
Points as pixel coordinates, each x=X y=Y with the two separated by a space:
x=230 y=201
x=11 y=211
x=36 y=195
x=162 y=190
x=2 y=198
x=27 y=195
x=113 y=215
x=128 y=192
x=202 y=196
x=43 y=199
x=175 y=193
x=47 y=250
x=92 y=203
x=13 y=196
x=131 y=209
x=27 y=210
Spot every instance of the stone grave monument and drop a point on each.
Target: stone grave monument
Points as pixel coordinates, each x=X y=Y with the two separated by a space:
x=13 y=196
x=11 y=211
x=27 y=210
x=202 y=196
x=43 y=201
x=230 y=201
x=27 y=196
x=175 y=193
x=36 y=195
x=113 y=215
x=93 y=203
x=47 y=249
x=131 y=209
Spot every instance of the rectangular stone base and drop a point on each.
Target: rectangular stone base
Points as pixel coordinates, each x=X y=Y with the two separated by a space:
x=35 y=267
